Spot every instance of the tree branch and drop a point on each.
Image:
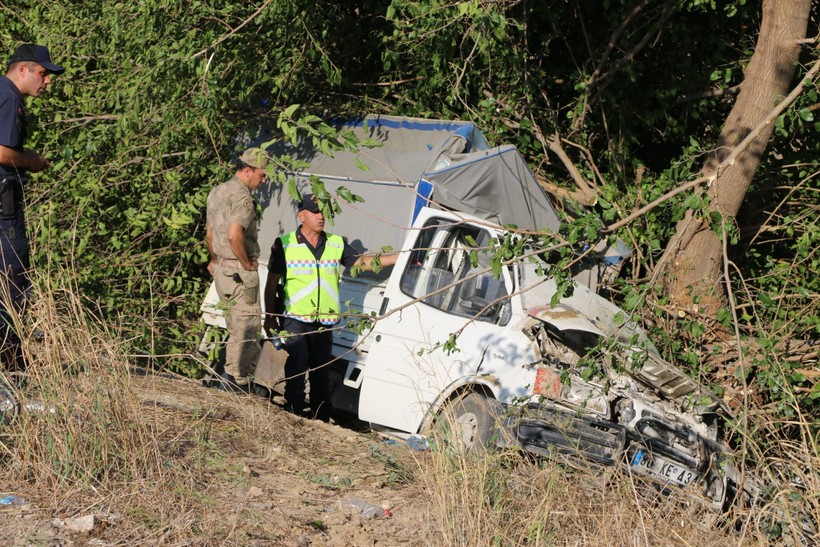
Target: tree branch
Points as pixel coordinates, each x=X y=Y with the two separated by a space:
x=234 y=31
x=649 y=206
x=587 y=193
x=88 y=119
x=613 y=40
x=734 y=90
x=731 y=158
x=781 y=106
x=602 y=80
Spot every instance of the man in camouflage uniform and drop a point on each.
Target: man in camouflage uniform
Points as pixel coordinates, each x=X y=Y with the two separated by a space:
x=232 y=230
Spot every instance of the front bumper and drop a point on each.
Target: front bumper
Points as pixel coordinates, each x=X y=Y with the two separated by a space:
x=667 y=455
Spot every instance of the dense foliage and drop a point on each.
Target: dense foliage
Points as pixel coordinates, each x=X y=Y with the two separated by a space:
x=158 y=96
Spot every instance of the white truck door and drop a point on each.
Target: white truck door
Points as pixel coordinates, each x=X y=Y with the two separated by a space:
x=435 y=291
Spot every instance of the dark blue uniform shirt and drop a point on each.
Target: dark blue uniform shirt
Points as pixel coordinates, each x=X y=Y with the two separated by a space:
x=12 y=135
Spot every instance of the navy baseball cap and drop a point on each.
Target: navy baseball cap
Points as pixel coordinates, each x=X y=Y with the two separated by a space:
x=309 y=203
x=36 y=54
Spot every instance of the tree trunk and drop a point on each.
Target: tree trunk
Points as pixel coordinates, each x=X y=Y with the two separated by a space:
x=693 y=259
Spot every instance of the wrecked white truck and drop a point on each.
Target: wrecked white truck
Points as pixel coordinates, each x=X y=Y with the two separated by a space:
x=439 y=194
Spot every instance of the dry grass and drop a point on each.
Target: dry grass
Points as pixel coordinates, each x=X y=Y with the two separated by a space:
x=176 y=468
x=95 y=449
x=162 y=460
x=500 y=500
x=503 y=499
x=786 y=463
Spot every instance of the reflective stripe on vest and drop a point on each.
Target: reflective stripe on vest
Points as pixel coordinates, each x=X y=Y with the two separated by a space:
x=312 y=286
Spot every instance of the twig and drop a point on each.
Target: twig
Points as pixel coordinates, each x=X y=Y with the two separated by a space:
x=386 y=84
x=630 y=55
x=649 y=206
x=589 y=158
x=602 y=81
x=613 y=40
x=734 y=90
x=736 y=324
x=235 y=30
x=94 y=118
x=762 y=229
x=465 y=66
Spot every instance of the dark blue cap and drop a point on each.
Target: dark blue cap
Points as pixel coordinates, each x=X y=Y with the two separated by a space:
x=35 y=54
x=309 y=203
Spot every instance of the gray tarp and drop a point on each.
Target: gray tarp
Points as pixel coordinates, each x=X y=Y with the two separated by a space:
x=465 y=174
x=495 y=185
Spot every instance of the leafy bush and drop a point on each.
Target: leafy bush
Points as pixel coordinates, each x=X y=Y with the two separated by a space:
x=156 y=99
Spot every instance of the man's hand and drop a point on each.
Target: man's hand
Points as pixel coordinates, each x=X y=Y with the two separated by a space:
x=38 y=163
x=271 y=324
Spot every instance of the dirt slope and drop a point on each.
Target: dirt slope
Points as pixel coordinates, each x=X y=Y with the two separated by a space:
x=265 y=478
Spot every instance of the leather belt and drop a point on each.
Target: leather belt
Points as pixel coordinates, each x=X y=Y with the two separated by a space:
x=231 y=261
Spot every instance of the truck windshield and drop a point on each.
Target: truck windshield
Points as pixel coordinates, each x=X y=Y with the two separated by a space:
x=449 y=269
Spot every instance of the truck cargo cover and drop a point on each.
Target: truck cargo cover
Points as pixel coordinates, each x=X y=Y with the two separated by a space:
x=446 y=164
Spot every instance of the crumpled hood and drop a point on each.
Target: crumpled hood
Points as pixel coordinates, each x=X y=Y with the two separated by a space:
x=641 y=359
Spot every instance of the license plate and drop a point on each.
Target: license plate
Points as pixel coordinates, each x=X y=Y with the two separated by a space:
x=662 y=469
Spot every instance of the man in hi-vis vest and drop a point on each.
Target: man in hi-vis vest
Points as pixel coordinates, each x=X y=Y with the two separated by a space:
x=308 y=261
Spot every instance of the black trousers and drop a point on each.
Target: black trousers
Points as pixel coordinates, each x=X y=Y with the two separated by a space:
x=309 y=351
x=15 y=287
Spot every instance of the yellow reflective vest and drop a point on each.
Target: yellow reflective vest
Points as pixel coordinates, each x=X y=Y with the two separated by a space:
x=312 y=286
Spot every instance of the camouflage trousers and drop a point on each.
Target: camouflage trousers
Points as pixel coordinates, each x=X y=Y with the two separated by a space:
x=239 y=295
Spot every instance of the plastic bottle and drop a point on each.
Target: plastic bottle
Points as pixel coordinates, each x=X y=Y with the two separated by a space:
x=7 y=402
x=276 y=340
x=415 y=442
x=368 y=509
x=12 y=501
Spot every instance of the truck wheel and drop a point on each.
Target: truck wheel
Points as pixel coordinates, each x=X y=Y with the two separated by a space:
x=469 y=423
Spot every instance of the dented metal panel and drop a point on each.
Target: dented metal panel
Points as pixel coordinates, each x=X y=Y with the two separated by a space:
x=664 y=377
x=564 y=318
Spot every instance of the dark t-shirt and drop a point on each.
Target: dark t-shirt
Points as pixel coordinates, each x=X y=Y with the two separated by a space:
x=12 y=135
x=277 y=264
x=12 y=119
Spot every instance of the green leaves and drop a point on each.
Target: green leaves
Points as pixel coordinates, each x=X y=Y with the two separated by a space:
x=806 y=115
x=138 y=130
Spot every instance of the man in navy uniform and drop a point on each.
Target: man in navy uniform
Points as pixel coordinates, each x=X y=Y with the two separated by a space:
x=28 y=75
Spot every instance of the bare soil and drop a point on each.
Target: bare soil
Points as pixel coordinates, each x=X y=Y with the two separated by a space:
x=261 y=476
